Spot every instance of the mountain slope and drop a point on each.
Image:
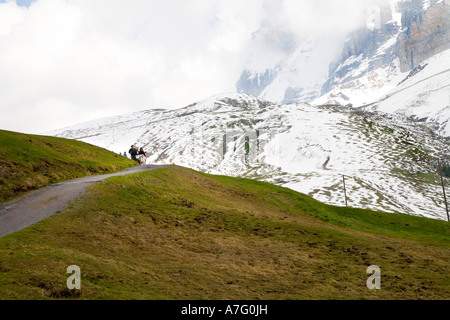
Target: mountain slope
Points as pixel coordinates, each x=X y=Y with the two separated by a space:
x=399 y=40
x=422 y=95
x=174 y=233
x=28 y=162
x=410 y=50
x=388 y=161
x=296 y=78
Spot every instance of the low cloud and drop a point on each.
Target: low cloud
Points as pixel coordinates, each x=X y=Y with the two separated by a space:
x=67 y=61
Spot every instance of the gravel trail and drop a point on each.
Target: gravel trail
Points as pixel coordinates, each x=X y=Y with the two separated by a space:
x=37 y=205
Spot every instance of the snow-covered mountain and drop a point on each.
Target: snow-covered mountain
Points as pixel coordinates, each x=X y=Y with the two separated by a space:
x=423 y=95
x=389 y=162
x=406 y=45
x=401 y=68
x=286 y=83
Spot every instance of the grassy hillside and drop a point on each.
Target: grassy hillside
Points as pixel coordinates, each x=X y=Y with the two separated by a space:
x=174 y=233
x=28 y=162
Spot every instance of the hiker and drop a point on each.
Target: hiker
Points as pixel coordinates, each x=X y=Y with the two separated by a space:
x=125 y=154
x=133 y=153
x=142 y=156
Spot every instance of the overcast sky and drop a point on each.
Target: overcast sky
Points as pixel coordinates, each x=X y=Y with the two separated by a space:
x=69 y=61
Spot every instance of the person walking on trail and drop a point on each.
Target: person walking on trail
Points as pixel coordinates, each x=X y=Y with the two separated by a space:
x=142 y=156
x=133 y=152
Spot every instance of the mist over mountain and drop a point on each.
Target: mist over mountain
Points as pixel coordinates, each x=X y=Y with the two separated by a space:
x=395 y=39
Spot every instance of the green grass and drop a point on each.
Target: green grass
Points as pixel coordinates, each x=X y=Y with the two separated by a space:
x=430 y=178
x=28 y=162
x=174 y=233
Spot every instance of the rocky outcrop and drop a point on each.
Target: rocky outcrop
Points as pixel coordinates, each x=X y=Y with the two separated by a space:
x=426 y=33
x=422 y=32
x=254 y=84
x=402 y=34
x=364 y=44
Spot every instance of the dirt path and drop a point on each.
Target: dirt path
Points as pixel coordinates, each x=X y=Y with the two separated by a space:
x=40 y=204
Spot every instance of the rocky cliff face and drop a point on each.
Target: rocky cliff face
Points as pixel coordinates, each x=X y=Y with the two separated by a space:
x=402 y=34
x=410 y=31
x=363 y=47
x=426 y=33
x=255 y=83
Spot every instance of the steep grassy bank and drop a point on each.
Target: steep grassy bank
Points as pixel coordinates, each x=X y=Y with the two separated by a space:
x=174 y=233
x=28 y=162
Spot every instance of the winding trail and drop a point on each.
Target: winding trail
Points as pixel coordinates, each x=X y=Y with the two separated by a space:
x=40 y=204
